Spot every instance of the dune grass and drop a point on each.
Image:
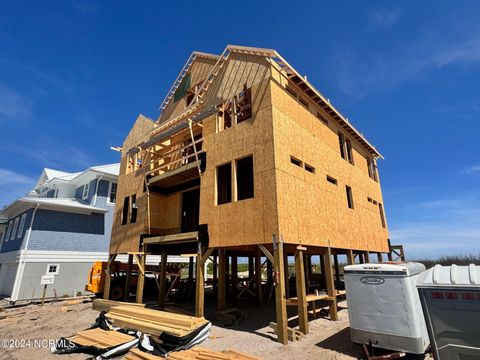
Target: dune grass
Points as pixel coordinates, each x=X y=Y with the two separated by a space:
x=451 y=259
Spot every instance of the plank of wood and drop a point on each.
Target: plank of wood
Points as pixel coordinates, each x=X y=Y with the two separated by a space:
x=106 y=305
x=100 y=338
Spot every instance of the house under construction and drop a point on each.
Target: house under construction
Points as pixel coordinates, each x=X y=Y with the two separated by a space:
x=248 y=159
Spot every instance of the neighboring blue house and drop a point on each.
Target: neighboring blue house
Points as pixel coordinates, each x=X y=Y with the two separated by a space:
x=60 y=228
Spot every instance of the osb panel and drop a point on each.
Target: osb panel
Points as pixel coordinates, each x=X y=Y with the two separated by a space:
x=126 y=237
x=199 y=71
x=311 y=210
x=165 y=213
x=138 y=133
x=250 y=221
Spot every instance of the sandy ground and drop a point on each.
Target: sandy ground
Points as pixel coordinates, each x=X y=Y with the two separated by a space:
x=327 y=339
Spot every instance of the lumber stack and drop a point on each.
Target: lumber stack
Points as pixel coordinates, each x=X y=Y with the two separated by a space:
x=106 y=305
x=99 y=338
x=153 y=322
x=196 y=353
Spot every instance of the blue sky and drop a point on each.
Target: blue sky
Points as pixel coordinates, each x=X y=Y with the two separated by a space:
x=75 y=74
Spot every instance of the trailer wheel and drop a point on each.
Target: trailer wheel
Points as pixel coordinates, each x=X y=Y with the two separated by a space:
x=116 y=293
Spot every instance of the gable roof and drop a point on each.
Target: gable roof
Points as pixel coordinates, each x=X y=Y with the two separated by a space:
x=111 y=169
x=283 y=66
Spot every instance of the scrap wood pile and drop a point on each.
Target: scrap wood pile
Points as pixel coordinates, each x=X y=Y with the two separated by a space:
x=196 y=353
x=153 y=322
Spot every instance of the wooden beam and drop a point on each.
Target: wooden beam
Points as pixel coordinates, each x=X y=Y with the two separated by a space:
x=207 y=254
x=330 y=284
x=251 y=267
x=140 y=264
x=379 y=257
x=367 y=256
x=141 y=277
x=126 y=293
x=163 y=275
x=108 y=277
x=222 y=270
x=190 y=269
x=266 y=253
x=337 y=268
x=199 y=285
x=258 y=277
x=301 y=292
x=280 y=299
x=287 y=282
x=350 y=257
x=234 y=278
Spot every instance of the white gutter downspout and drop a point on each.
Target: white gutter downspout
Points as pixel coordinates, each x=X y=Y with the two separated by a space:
x=96 y=190
x=21 y=263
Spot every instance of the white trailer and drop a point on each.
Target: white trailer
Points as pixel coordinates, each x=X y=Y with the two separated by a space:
x=450 y=297
x=384 y=306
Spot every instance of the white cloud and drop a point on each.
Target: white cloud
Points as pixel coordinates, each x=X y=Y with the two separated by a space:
x=473 y=169
x=12 y=105
x=14 y=185
x=382 y=19
x=440 y=227
x=8 y=177
x=360 y=74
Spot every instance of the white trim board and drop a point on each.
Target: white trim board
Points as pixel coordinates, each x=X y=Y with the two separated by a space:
x=41 y=256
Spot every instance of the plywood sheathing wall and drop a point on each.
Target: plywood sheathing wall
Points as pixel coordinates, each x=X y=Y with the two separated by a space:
x=199 y=71
x=311 y=210
x=125 y=238
x=250 y=221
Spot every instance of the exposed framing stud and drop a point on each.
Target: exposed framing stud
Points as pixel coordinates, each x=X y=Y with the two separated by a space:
x=108 y=278
x=327 y=256
x=280 y=299
x=163 y=275
x=301 y=292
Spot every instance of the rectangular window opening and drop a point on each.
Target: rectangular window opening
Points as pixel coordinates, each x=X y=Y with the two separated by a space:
x=309 y=168
x=14 y=231
x=224 y=115
x=133 y=210
x=245 y=186
x=244 y=104
x=349 y=151
x=296 y=161
x=341 y=143
x=125 y=210
x=22 y=225
x=382 y=215
x=224 y=184
x=113 y=192
x=372 y=169
x=53 y=269
x=349 y=196
x=369 y=199
x=332 y=180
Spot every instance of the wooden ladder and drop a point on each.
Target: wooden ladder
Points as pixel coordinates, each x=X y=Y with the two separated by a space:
x=178 y=81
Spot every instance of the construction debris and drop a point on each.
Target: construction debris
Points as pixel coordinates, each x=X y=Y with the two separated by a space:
x=293 y=334
x=100 y=338
x=196 y=353
x=106 y=305
x=154 y=322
